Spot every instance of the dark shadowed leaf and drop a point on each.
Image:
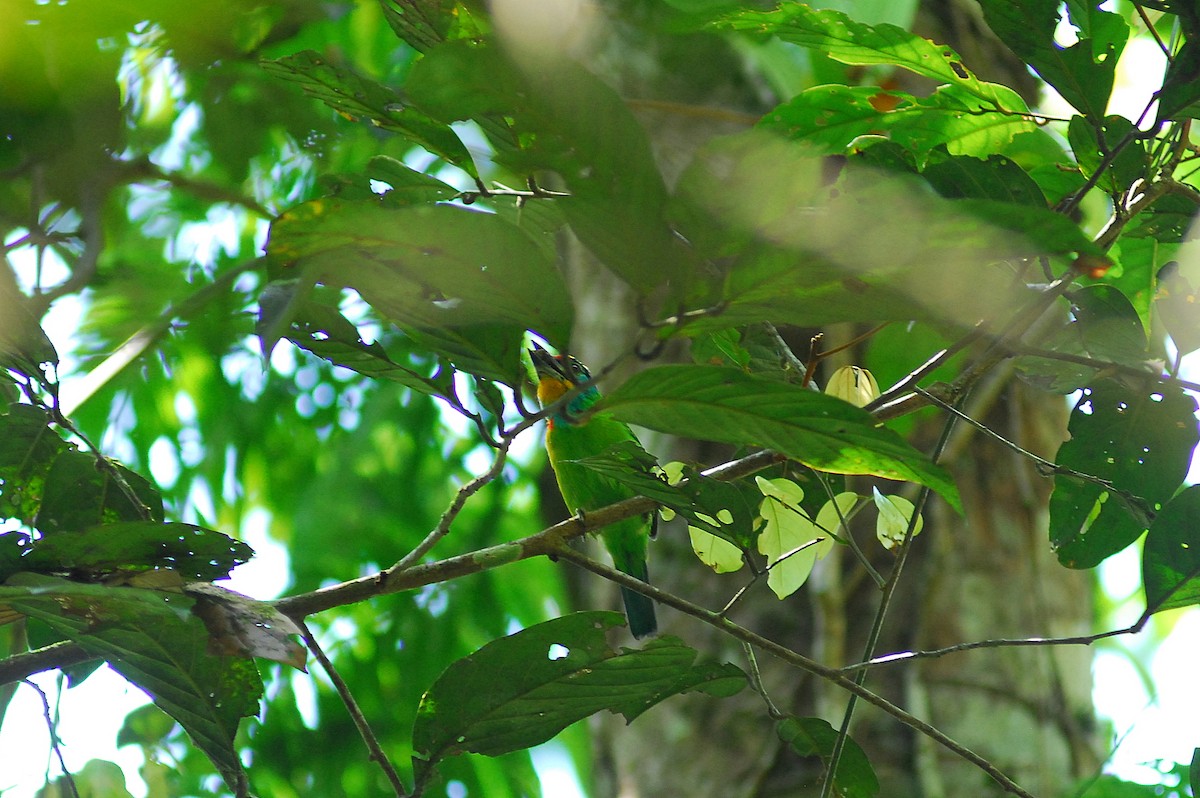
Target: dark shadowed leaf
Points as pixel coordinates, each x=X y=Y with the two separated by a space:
x=700 y=500
x=556 y=673
x=359 y=98
x=136 y=546
x=725 y=404
x=1092 y=142
x=568 y=121
x=1141 y=440
x=82 y=492
x=855 y=778
x=456 y=274
x=153 y=640
x=1082 y=73
x=1104 y=327
x=28 y=449
x=1171 y=556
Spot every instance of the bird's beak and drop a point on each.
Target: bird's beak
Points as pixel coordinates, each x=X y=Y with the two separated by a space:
x=547 y=365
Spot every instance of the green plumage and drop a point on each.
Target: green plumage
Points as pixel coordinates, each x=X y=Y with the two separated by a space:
x=570 y=438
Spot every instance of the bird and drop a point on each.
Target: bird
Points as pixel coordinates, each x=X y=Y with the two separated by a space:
x=572 y=435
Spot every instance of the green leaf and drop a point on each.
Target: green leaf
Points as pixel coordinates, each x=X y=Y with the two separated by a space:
x=717 y=553
x=843 y=39
x=455 y=275
x=152 y=639
x=1104 y=326
x=725 y=404
x=833 y=116
x=855 y=778
x=567 y=121
x=137 y=546
x=555 y=673
x=408 y=186
x=874 y=246
x=1180 y=94
x=324 y=331
x=1092 y=142
x=1141 y=440
x=700 y=499
x=995 y=178
x=28 y=449
x=421 y=23
x=1171 y=556
x=81 y=492
x=895 y=514
x=1082 y=73
x=789 y=539
x=358 y=98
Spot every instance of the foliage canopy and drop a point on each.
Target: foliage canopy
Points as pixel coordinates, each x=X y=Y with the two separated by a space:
x=331 y=190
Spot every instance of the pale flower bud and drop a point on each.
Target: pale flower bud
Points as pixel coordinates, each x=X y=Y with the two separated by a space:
x=856 y=385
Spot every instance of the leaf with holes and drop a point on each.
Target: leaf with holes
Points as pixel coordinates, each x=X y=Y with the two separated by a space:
x=1141 y=440
x=555 y=673
x=152 y=639
x=1171 y=556
x=843 y=39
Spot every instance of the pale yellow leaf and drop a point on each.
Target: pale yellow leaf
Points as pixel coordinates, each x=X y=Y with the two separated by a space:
x=717 y=553
x=894 y=515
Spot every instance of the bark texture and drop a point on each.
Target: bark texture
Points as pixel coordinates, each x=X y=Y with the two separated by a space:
x=987 y=575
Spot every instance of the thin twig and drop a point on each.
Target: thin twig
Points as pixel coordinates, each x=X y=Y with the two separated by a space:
x=355 y=712
x=456 y=505
x=794 y=658
x=1080 y=640
x=55 y=743
x=1047 y=468
x=756 y=682
x=885 y=601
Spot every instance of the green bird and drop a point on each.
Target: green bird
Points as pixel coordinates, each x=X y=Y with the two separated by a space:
x=571 y=436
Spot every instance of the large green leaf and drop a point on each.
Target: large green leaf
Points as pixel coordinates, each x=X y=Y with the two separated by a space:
x=1092 y=141
x=567 y=121
x=1082 y=73
x=81 y=492
x=1141 y=440
x=523 y=689
x=1171 y=556
x=357 y=97
x=843 y=39
x=1104 y=326
x=28 y=449
x=152 y=639
x=725 y=404
x=855 y=778
x=833 y=116
x=461 y=275
x=874 y=246
x=133 y=547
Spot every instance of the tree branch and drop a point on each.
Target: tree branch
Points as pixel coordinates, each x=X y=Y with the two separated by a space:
x=356 y=714
x=794 y=658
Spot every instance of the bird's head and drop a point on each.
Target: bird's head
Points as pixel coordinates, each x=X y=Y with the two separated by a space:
x=558 y=374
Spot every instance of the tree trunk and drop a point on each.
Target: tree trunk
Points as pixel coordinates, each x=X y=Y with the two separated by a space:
x=987 y=575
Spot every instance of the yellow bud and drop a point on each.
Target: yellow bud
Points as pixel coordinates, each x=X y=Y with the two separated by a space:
x=856 y=385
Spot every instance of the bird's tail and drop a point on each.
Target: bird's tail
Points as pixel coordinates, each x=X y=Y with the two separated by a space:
x=639 y=609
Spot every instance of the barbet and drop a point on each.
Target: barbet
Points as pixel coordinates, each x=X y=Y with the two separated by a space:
x=570 y=436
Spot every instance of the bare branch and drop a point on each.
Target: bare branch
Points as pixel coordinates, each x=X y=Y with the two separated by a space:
x=795 y=659
x=356 y=714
